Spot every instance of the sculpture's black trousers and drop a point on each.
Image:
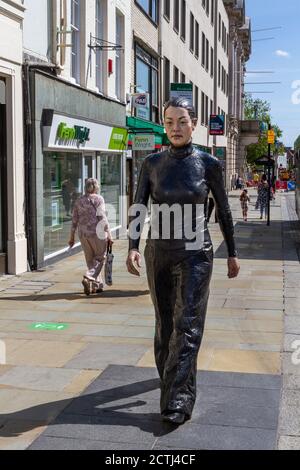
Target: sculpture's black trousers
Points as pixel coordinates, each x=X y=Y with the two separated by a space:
x=179 y=287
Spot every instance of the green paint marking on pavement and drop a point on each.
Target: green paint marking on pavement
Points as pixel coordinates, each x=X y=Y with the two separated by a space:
x=48 y=326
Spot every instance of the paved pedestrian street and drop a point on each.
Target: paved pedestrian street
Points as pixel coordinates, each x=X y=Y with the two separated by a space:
x=93 y=383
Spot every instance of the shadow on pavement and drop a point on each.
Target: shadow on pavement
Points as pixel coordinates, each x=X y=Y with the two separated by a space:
x=76 y=296
x=257 y=241
x=84 y=410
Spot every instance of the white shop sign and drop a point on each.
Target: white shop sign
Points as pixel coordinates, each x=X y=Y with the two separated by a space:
x=70 y=133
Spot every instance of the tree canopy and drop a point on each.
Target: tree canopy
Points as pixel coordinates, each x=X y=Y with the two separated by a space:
x=297 y=143
x=261 y=110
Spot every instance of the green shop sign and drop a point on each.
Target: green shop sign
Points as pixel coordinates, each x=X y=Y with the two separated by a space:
x=118 y=139
x=81 y=134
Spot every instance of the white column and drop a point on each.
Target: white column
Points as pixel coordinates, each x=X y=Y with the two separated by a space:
x=16 y=241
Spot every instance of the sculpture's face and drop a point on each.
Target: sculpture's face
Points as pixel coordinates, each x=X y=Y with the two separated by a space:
x=179 y=126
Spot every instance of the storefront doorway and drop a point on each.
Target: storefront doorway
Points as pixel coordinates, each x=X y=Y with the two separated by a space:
x=3 y=179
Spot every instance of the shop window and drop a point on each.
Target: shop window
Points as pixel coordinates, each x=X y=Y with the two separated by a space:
x=110 y=170
x=63 y=184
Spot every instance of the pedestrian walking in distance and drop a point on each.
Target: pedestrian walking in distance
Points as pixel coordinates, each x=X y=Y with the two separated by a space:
x=88 y=211
x=245 y=199
x=178 y=274
x=262 y=198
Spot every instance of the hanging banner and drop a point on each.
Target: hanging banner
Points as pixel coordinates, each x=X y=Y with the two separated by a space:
x=217 y=124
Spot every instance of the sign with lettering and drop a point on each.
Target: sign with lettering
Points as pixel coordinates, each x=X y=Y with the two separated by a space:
x=141 y=103
x=143 y=142
x=182 y=90
x=63 y=132
x=73 y=133
x=217 y=124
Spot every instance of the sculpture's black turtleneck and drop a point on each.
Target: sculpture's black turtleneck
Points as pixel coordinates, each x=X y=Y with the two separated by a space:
x=185 y=175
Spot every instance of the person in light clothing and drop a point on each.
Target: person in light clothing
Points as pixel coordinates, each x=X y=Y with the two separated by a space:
x=245 y=199
x=88 y=211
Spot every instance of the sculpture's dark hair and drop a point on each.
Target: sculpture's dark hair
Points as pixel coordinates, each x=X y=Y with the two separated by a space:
x=181 y=102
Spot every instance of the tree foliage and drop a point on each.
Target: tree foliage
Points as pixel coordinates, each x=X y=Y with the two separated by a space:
x=297 y=143
x=259 y=109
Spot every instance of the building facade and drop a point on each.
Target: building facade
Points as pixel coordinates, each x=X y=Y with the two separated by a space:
x=13 y=243
x=76 y=77
x=241 y=133
x=195 y=51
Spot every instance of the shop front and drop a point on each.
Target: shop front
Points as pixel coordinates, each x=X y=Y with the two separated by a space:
x=73 y=134
x=74 y=150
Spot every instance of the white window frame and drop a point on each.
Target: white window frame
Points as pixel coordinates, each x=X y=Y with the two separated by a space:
x=75 y=50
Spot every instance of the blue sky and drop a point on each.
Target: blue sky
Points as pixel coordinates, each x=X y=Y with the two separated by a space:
x=281 y=55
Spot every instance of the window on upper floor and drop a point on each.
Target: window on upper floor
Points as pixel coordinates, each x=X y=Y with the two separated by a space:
x=176 y=15
x=196 y=101
x=212 y=59
x=203 y=50
x=207 y=55
x=202 y=108
x=197 y=39
x=166 y=79
x=175 y=74
x=212 y=12
x=167 y=10
x=220 y=26
x=146 y=76
x=182 y=77
x=101 y=73
x=120 y=39
x=150 y=8
x=183 y=20
x=75 y=49
x=192 y=32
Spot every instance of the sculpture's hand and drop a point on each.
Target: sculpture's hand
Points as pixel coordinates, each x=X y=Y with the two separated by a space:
x=133 y=262
x=233 y=267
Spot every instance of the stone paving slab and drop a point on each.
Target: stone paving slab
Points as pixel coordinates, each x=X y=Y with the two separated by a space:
x=232 y=411
x=38 y=378
x=97 y=356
